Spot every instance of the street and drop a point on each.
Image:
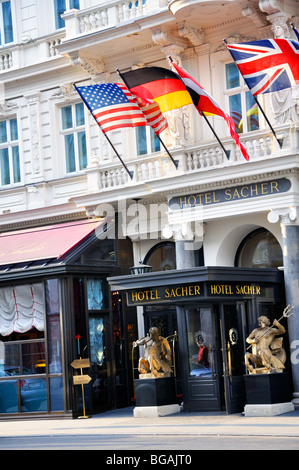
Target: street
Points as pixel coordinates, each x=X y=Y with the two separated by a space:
x=112 y=443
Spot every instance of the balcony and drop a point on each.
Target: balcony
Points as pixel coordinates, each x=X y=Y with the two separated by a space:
x=198 y=163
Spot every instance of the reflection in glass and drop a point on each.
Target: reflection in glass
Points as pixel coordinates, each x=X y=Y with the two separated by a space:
x=33 y=395
x=97 y=341
x=95 y=294
x=56 y=394
x=8 y=395
x=200 y=342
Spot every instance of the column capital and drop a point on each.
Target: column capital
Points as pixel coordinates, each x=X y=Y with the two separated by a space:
x=286 y=215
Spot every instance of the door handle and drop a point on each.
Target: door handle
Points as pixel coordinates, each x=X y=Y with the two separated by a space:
x=229 y=360
x=211 y=360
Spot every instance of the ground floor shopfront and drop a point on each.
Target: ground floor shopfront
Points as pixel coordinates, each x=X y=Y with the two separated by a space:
x=55 y=308
x=212 y=310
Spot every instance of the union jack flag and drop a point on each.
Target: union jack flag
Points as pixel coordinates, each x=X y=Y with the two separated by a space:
x=267 y=65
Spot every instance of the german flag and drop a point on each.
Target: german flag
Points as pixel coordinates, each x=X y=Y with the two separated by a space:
x=158 y=84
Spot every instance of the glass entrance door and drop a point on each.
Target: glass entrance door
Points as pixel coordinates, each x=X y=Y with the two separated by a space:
x=213 y=357
x=232 y=323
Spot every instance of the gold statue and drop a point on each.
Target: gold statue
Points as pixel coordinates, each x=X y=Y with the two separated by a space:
x=157 y=355
x=267 y=353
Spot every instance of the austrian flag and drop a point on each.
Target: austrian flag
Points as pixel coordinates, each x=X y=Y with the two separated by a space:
x=267 y=65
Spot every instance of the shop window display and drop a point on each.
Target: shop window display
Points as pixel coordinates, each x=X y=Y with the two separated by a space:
x=200 y=342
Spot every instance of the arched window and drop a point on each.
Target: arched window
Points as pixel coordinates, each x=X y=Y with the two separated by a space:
x=162 y=257
x=260 y=249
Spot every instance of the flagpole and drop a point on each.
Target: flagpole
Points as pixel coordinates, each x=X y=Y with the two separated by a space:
x=280 y=141
x=130 y=173
x=161 y=141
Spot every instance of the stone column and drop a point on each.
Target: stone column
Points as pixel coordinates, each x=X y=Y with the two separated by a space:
x=290 y=237
x=290 y=240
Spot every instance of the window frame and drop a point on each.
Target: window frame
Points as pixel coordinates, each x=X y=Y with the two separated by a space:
x=3 y=42
x=58 y=21
x=243 y=91
x=9 y=145
x=75 y=131
x=150 y=138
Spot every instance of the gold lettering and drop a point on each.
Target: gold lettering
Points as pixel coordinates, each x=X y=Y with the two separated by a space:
x=197 y=290
x=190 y=290
x=134 y=297
x=214 y=197
x=199 y=196
x=242 y=191
x=252 y=189
x=264 y=188
x=236 y=194
x=273 y=185
x=208 y=198
x=184 y=291
x=228 y=195
x=258 y=290
x=140 y=296
x=167 y=294
x=194 y=200
x=183 y=201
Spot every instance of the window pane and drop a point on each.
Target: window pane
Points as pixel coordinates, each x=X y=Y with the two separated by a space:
x=232 y=76
x=53 y=326
x=56 y=394
x=75 y=4
x=235 y=111
x=60 y=8
x=8 y=396
x=70 y=153
x=7 y=22
x=13 y=129
x=3 y=132
x=155 y=143
x=96 y=294
x=141 y=140
x=4 y=167
x=33 y=395
x=11 y=363
x=251 y=112
x=200 y=342
x=33 y=358
x=16 y=164
x=80 y=114
x=82 y=150
x=67 y=120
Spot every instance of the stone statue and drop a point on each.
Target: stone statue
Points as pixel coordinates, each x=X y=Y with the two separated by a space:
x=157 y=355
x=267 y=353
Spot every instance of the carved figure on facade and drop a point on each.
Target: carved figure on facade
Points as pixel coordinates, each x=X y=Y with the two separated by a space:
x=285 y=103
x=267 y=354
x=157 y=355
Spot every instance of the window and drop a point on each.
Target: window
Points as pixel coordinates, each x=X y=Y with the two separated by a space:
x=259 y=249
x=73 y=130
x=60 y=6
x=242 y=106
x=6 y=30
x=147 y=141
x=162 y=257
x=10 y=172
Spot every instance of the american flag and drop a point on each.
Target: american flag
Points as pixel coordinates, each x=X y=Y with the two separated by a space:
x=153 y=115
x=267 y=65
x=112 y=106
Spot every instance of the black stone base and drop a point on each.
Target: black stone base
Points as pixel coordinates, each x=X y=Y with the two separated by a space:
x=264 y=389
x=155 y=392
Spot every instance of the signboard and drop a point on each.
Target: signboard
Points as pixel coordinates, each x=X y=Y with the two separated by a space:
x=235 y=193
x=81 y=379
x=81 y=363
x=176 y=293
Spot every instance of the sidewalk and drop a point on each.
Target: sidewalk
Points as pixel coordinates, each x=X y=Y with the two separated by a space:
x=122 y=422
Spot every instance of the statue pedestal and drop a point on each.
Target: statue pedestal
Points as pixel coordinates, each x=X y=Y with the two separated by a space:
x=155 y=397
x=268 y=394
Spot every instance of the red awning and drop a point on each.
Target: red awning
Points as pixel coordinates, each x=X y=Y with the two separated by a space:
x=41 y=243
